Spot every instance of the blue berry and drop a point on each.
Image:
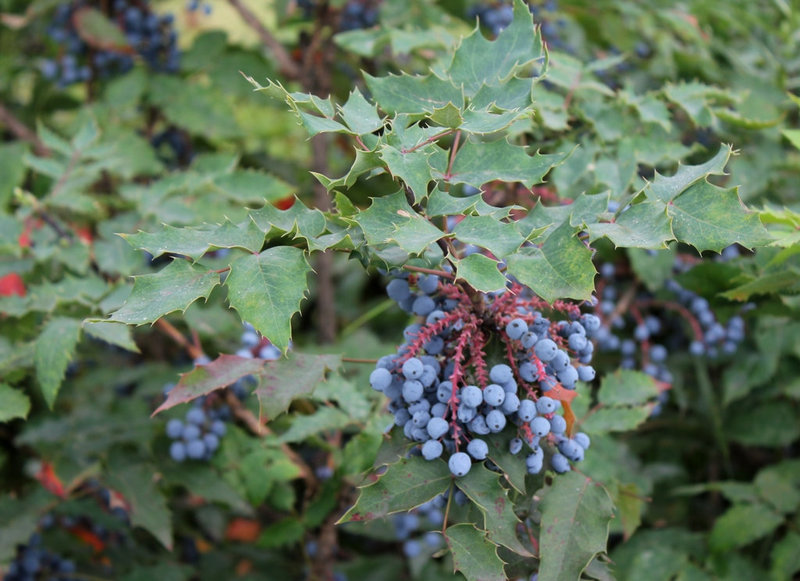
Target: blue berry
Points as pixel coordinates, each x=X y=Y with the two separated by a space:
x=478 y=449
x=459 y=464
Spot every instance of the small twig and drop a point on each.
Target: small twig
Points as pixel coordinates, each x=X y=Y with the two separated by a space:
x=285 y=62
x=357 y=360
x=169 y=329
x=427 y=141
x=453 y=153
x=22 y=131
x=441 y=273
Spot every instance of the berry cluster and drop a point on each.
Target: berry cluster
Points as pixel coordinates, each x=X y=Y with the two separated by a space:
x=414 y=528
x=358 y=14
x=150 y=36
x=446 y=397
x=32 y=561
x=198 y=436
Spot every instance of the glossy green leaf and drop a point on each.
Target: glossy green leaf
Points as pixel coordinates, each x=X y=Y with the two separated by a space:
x=250 y=186
x=483 y=488
x=117 y=334
x=13 y=403
x=266 y=290
x=473 y=554
x=478 y=61
x=405 y=485
x=499 y=238
x=360 y=115
x=55 y=348
x=644 y=225
x=390 y=219
x=615 y=419
x=284 y=380
x=742 y=524
x=412 y=167
x=481 y=273
x=415 y=95
x=561 y=268
x=303 y=222
x=712 y=218
x=173 y=288
x=149 y=510
x=575 y=515
x=667 y=189
x=194 y=242
x=480 y=163
x=785 y=557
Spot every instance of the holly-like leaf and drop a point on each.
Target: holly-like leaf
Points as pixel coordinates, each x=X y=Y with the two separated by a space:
x=415 y=95
x=499 y=238
x=365 y=162
x=55 y=348
x=391 y=219
x=473 y=554
x=117 y=334
x=742 y=524
x=644 y=225
x=322 y=420
x=360 y=115
x=173 y=288
x=712 y=218
x=483 y=487
x=441 y=203
x=13 y=403
x=481 y=273
x=252 y=186
x=514 y=471
x=303 y=222
x=284 y=380
x=479 y=163
x=667 y=189
x=194 y=242
x=412 y=167
x=266 y=290
x=137 y=483
x=575 y=515
x=695 y=98
x=561 y=268
x=479 y=61
x=204 y=379
x=405 y=485
x=627 y=387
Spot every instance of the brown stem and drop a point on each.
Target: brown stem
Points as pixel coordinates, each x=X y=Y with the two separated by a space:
x=22 y=131
x=441 y=273
x=357 y=360
x=285 y=62
x=427 y=141
x=453 y=152
x=194 y=351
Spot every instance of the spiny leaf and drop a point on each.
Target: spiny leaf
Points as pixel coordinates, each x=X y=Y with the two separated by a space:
x=481 y=273
x=194 y=242
x=666 y=189
x=173 y=288
x=415 y=95
x=360 y=115
x=13 y=403
x=712 y=218
x=117 y=334
x=412 y=167
x=479 y=61
x=204 y=379
x=285 y=380
x=561 y=268
x=499 y=238
x=266 y=290
x=479 y=163
x=405 y=485
x=643 y=225
x=390 y=219
x=484 y=489
x=473 y=554
x=574 y=527
x=55 y=348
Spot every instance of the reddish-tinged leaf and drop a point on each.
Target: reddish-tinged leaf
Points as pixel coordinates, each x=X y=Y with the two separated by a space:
x=96 y=30
x=204 y=379
x=88 y=538
x=244 y=530
x=11 y=284
x=51 y=482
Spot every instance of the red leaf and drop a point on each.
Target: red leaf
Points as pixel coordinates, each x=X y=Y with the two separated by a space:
x=11 y=284
x=51 y=482
x=284 y=203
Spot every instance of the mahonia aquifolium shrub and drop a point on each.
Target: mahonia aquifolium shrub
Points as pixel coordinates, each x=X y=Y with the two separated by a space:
x=449 y=397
